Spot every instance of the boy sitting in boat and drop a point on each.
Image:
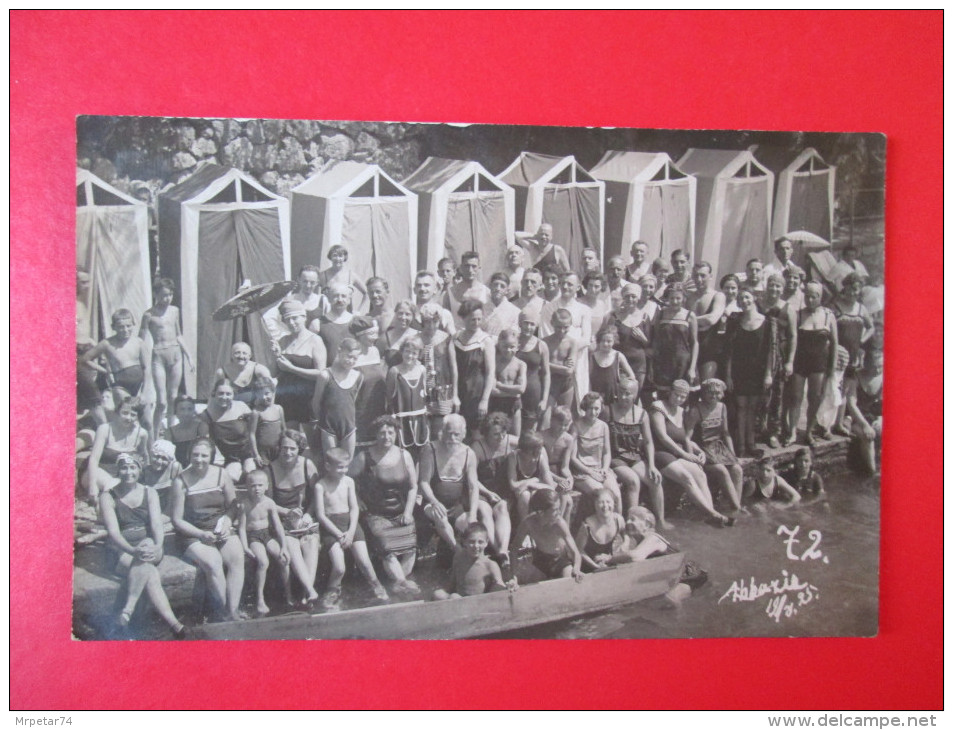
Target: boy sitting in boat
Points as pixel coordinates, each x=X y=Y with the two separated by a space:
x=554 y=551
x=473 y=572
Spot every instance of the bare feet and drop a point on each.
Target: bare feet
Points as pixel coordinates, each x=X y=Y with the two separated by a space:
x=262 y=608
x=665 y=525
x=125 y=617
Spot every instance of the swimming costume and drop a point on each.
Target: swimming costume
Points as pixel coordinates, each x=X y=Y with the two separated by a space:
x=111 y=451
x=626 y=438
x=491 y=470
x=129 y=378
x=594 y=548
x=232 y=438
x=262 y=536
x=333 y=333
x=295 y=497
x=449 y=492
x=635 y=351
x=337 y=414
x=672 y=342
x=203 y=507
x=342 y=521
x=471 y=373
x=183 y=446
x=709 y=429
x=674 y=428
x=383 y=491
x=294 y=392
x=750 y=351
x=605 y=380
x=850 y=328
x=813 y=347
x=268 y=437
x=534 y=383
x=550 y=565
x=408 y=403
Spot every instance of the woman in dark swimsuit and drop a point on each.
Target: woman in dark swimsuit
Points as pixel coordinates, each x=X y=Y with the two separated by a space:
x=814 y=360
x=203 y=508
x=371 y=396
x=750 y=366
x=634 y=325
x=476 y=363
x=706 y=423
x=292 y=477
x=674 y=341
x=133 y=521
x=633 y=451
x=785 y=320
x=231 y=426
x=601 y=534
x=492 y=450
x=300 y=357
x=854 y=328
x=122 y=434
x=386 y=482
x=535 y=353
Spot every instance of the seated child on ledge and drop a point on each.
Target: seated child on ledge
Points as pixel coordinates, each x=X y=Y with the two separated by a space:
x=473 y=572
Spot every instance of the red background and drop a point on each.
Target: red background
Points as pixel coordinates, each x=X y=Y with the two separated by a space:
x=845 y=71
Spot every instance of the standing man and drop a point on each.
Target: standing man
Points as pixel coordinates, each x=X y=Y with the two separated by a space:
x=615 y=279
x=708 y=305
x=681 y=273
x=425 y=291
x=541 y=252
x=783 y=253
x=529 y=300
x=641 y=264
x=469 y=286
x=514 y=268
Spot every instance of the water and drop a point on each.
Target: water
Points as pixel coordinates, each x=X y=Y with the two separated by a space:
x=842 y=600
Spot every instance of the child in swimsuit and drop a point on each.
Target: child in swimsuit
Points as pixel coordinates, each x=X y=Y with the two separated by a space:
x=335 y=397
x=563 y=350
x=271 y=422
x=768 y=485
x=473 y=572
x=803 y=478
x=602 y=534
x=554 y=551
x=261 y=535
x=558 y=443
x=510 y=380
x=161 y=324
x=338 y=512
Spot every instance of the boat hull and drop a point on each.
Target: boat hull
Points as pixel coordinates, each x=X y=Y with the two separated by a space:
x=460 y=618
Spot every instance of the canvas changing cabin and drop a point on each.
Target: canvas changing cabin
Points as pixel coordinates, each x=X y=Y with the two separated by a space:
x=362 y=208
x=218 y=228
x=558 y=191
x=804 y=199
x=461 y=207
x=649 y=199
x=733 y=207
x=112 y=235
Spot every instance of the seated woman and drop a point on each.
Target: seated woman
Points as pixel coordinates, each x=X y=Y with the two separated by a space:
x=527 y=470
x=633 y=451
x=292 y=477
x=202 y=511
x=133 y=520
x=592 y=453
x=678 y=458
x=386 y=482
x=493 y=448
x=710 y=416
x=231 y=426
x=602 y=534
x=559 y=444
x=161 y=471
x=243 y=372
x=449 y=483
x=122 y=434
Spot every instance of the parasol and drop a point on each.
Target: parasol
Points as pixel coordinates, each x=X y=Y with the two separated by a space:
x=253 y=299
x=808 y=241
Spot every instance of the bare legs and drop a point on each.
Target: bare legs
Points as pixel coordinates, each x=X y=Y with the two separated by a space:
x=224 y=570
x=144 y=577
x=691 y=478
x=748 y=406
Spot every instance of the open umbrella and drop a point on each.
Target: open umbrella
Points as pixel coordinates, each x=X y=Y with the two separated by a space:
x=253 y=299
x=808 y=241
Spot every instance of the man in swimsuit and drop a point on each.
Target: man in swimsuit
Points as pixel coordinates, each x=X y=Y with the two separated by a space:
x=641 y=263
x=425 y=289
x=529 y=301
x=469 y=286
x=707 y=304
x=541 y=251
x=473 y=572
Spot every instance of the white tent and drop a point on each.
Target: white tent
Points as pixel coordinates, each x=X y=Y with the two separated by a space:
x=805 y=196
x=112 y=246
x=733 y=207
x=559 y=191
x=218 y=228
x=362 y=208
x=649 y=199
x=461 y=207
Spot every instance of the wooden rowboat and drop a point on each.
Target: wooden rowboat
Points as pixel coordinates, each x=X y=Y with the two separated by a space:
x=461 y=618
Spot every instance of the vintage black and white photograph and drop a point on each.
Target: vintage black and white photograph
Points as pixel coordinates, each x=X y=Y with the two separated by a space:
x=386 y=380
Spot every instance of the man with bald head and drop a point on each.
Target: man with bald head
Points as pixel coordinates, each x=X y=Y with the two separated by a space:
x=542 y=252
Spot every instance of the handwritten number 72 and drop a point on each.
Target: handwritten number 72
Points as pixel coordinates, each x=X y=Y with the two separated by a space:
x=812 y=553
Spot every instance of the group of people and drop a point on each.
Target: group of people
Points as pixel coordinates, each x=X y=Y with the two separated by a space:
x=487 y=413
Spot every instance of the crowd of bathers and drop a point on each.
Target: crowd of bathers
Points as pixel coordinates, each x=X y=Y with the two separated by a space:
x=564 y=409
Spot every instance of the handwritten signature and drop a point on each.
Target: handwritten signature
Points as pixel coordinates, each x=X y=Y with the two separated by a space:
x=787 y=593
